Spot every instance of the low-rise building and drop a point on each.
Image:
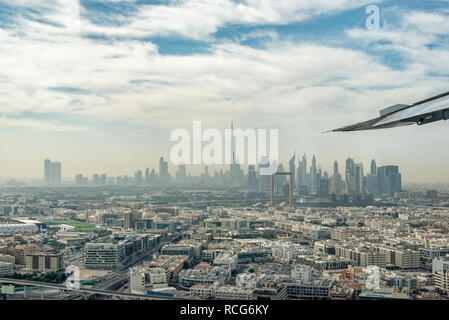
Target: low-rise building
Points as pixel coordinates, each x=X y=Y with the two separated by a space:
x=190 y=277
x=6 y=268
x=7 y=259
x=115 y=251
x=316 y=289
x=44 y=262
x=144 y=279
x=442 y=281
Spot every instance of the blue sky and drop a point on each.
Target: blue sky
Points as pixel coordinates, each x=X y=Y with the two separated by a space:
x=99 y=85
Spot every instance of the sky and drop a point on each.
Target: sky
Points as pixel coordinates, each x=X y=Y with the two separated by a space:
x=99 y=85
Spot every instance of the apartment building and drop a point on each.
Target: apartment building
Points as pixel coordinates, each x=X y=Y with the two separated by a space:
x=315 y=289
x=6 y=268
x=115 y=251
x=442 y=281
x=44 y=262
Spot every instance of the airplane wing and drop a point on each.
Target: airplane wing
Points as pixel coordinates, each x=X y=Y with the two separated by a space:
x=422 y=112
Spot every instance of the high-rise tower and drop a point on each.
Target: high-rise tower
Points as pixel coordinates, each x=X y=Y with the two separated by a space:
x=47 y=171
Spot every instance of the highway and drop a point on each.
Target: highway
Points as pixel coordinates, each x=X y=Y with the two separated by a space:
x=84 y=290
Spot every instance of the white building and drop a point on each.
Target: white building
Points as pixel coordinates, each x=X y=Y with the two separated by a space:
x=248 y=280
x=301 y=273
x=440 y=264
x=143 y=279
x=226 y=259
x=233 y=293
x=7 y=259
x=442 y=281
x=10 y=227
x=205 y=291
x=6 y=268
x=191 y=277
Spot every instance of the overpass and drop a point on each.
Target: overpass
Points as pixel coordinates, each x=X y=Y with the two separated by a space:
x=84 y=290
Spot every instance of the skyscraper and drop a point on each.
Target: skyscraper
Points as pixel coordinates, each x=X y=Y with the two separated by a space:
x=138 y=177
x=372 y=185
x=52 y=172
x=56 y=173
x=314 y=177
x=252 y=178
x=336 y=183
x=234 y=169
x=163 y=171
x=373 y=169
x=350 y=176
x=292 y=169
x=182 y=173
x=47 y=171
x=389 y=180
x=359 y=182
x=302 y=176
x=147 y=176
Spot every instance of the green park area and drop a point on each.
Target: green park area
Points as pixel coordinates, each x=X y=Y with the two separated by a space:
x=79 y=226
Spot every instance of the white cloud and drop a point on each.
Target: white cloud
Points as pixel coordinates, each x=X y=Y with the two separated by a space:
x=196 y=19
x=40 y=125
x=301 y=88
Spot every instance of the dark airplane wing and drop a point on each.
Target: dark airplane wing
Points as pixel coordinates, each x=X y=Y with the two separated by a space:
x=422 y=112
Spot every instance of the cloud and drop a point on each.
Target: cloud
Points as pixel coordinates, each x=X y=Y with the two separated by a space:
x=39 y=125
x=419 y=37
x=300 y=87
x=195 y=19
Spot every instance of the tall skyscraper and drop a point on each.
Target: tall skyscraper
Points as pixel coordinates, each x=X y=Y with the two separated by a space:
x=56 y=173
x=314 y=179
x=138 y=177
x=293 y=170
x=163 y=171
x=372 y=185
x=336 y=183
x=232 y=144
x=182 y=173
x=373 y=169
x=47 y=171
x=389 y=180
x=350 y=177
x=359 y=183
x=147 y=176
x=234 y=169
x=52 y=172
x=302 y=176
x=252 y=178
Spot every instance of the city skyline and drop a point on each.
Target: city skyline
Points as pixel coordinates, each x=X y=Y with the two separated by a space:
x=191 y=169
x=312 y=180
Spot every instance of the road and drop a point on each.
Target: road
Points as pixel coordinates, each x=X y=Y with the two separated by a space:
x=84 y=289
